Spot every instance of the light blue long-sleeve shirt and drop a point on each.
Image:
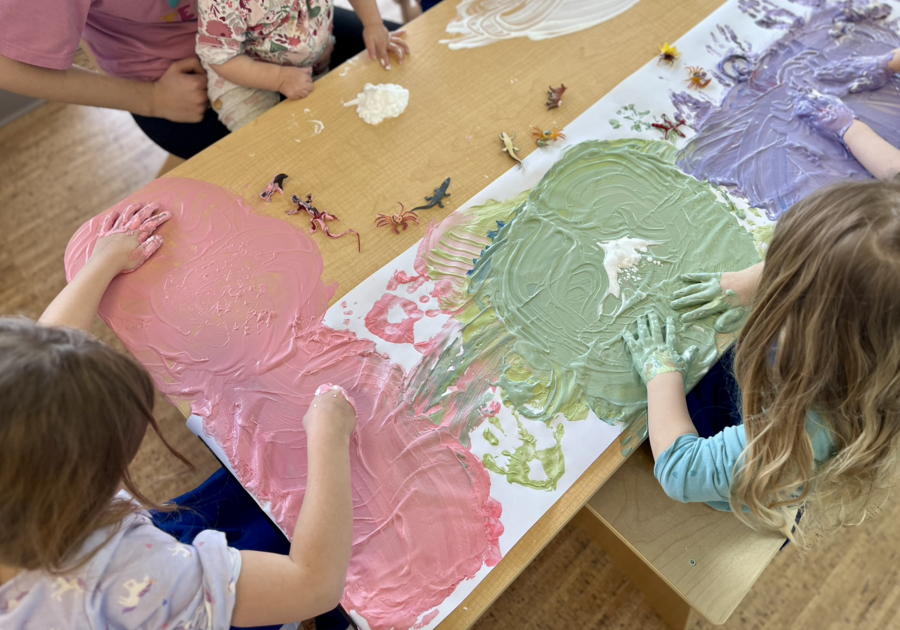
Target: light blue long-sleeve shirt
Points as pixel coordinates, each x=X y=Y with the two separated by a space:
x=696 y=469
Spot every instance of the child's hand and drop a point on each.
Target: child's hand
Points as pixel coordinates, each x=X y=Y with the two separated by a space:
x=862 y=73
x=652 y=354
x=705 y=291
x=295 y=83
x=126 y=240
x=380 y=43
x=179 y=94
x=826 y=114
x=331 y=410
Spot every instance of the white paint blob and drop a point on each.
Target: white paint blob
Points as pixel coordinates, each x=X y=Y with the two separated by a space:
x=620 y=255
x=483 y=22
x=377 y=102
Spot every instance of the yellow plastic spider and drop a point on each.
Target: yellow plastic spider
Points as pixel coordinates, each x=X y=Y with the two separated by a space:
x=668 y=54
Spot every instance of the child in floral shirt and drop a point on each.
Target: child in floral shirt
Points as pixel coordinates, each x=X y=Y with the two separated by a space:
x=255 y=50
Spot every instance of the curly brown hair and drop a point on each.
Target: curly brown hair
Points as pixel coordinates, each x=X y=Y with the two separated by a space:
x=74 y=413
x=823 y=336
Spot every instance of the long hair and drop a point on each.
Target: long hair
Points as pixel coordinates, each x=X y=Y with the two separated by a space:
x=73 y=413
x=823 y=336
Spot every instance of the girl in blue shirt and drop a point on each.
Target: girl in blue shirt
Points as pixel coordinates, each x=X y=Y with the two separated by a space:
x=816 y=370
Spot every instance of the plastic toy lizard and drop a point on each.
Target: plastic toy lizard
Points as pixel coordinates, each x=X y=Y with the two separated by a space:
x=510 y=148
x=437 y=199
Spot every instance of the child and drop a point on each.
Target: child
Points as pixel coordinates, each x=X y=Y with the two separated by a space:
x=252 y=50
x=76 y=548
x=831 y=117
x=816 y=374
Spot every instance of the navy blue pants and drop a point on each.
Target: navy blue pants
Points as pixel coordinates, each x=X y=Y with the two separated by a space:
x=715 y=402
x=220 y=503
x=188 y=139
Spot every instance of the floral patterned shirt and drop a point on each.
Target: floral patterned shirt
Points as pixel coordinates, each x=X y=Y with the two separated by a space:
x=283 y=32
x=141 y=577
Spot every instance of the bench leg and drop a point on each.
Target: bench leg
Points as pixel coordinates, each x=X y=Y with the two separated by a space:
x=668 y=604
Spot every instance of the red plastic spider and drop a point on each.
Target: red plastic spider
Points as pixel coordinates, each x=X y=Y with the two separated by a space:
x=319 y=219
x=397 y=220
x=698 y=79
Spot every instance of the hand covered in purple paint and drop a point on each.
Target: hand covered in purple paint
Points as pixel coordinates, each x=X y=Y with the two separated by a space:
x=863 y=74
x=826 y=114
x=126 y=240
x=653 y=353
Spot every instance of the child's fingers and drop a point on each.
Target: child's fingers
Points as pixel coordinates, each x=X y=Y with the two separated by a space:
x=642 y=330
x=128 y=214
x=143 y=215
x=149 y=247
x=149 y=226
x=630 y=341
x=655 y=330
x=370 y=48
x=383 y=54
x=670 y=334
x=397 y=50
x=698 y=276
x=109 y=221
x=690 y=355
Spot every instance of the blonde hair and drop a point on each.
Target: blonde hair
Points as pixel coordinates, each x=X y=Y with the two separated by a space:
x=823 y=336
x=73 y=413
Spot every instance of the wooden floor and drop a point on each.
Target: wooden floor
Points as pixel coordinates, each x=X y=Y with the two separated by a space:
x=62 y=164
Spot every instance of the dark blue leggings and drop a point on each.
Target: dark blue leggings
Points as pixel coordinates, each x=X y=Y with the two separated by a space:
x=220 y=503
x=715 y=402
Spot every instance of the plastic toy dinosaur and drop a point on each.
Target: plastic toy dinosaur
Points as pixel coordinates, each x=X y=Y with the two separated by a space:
x=437 y=199
x=510 y=148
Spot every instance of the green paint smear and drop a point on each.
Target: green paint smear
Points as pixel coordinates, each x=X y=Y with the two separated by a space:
x=496 y=422
x=492 y=439
x=536 y=313
x=518 y=468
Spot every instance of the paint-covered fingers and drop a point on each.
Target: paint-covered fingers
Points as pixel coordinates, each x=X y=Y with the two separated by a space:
x=151 y=223
x=140 y=255
x=656 y=336
x=859 y=74
x=671 y=335
x=109 y=221
x=826 y=114
x=643 y=332
x=125 y=221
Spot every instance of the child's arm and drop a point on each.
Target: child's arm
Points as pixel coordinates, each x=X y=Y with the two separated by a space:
x=125 y=242
x=379 y=41
x=662 y=368
x=291 y=81
x=178 y=95
x=728 y=293
x=832 y=118
x=275 y=589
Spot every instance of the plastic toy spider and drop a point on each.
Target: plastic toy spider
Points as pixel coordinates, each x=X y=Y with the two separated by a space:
x=397 y=220
x=543 y=138
x=668 y=54
x=319 y=219
x=698 y=79
x=669 y=125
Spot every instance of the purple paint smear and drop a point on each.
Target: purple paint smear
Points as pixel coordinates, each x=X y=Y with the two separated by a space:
x=753 y=143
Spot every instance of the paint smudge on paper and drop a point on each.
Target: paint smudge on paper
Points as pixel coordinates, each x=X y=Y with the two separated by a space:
x=227 y=316
x=483 y=22
x=753 y=144
x=405 y=314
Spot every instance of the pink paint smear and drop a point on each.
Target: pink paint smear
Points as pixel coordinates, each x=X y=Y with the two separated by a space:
x=227 y=315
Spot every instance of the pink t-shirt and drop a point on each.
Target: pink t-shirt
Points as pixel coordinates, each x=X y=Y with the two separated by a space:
x=134 y=39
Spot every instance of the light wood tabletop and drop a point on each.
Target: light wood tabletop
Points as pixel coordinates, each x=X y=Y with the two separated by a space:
x=460 y=100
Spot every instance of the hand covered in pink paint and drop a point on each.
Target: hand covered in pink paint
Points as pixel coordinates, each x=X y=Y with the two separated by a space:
x=331 y=411
x=295 y=83
x=863 y=74
x=826 y=114
x=126 y=240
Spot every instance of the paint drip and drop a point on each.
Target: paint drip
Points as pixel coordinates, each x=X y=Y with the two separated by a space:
x=753 y=143
x=479 y=23
x=227 y=317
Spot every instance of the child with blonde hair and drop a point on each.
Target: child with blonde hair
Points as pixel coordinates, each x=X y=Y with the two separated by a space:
x=77 y=547
x=809 y=417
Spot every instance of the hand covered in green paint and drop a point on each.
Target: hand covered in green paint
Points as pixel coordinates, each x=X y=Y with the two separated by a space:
x=652 y=353
x=704 y=291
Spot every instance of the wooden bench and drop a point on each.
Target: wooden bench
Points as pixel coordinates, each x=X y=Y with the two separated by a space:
x=687 y=559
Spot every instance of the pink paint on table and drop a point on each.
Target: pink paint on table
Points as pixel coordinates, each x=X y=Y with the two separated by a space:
x=227 y=315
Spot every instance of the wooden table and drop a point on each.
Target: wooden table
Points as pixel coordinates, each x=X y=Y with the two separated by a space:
x=459 y=101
